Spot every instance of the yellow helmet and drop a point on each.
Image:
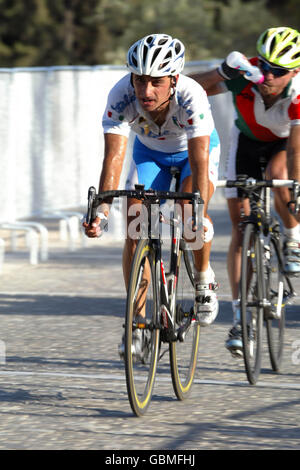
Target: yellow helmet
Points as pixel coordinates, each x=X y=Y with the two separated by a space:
x=280 y=46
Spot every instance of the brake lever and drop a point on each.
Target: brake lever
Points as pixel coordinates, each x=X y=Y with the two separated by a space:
x=91 y=211
x=294 y=204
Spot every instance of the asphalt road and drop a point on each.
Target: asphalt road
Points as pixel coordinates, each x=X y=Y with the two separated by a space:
x=62 y=385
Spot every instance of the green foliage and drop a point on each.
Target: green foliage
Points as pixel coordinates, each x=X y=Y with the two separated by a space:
x=89 y=32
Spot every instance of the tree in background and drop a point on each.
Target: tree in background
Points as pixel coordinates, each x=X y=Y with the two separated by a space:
x=90 y=32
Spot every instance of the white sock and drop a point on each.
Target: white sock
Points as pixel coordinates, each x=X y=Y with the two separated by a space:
x=205 y=277
x=292 y=233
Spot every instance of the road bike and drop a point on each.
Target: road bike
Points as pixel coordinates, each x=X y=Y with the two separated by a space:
x=160 y=300
x=265 y=287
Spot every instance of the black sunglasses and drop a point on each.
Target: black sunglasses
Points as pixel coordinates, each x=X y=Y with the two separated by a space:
x=276 y=71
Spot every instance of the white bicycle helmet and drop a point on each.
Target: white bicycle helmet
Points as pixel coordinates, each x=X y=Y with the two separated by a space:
x=157 y=55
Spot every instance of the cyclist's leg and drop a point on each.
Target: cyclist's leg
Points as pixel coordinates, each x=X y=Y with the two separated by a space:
x=206 y=302
x=277 y=169
x=236 y=207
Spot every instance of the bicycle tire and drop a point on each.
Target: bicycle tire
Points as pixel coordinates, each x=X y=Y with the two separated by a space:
x=251 y=309
x=184 y=354
x=140 y=374
x=275 y=316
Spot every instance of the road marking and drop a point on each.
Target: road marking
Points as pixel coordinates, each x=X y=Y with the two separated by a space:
x=117 y=295
x=121 y=378
x=92 y=295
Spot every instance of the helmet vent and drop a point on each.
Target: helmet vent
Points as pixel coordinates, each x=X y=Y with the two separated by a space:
x=286 y=49
x=263 y=39
x=177 y=48
x=163 y=41
x=145 y=50
x=273 y=44
x=155 y=55
x=133 y=58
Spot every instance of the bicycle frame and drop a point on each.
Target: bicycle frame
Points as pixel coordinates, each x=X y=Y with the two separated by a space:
x=166 y=282
x=259 y=194
x=262 y=299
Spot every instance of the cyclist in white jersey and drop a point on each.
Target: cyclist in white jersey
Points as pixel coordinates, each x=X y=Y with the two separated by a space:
x=267 y=124
x=171 y=117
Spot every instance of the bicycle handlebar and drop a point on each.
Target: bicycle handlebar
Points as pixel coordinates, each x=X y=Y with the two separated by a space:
x=94 y=199
x=250 y=184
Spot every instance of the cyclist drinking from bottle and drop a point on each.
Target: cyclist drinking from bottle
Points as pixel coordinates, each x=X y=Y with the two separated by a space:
x=267 y=124
x=171 y=117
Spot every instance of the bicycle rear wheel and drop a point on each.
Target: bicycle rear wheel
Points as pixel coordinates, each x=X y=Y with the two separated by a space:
x=184 y=351
x=141 y=359
x=251 y=309
x=276 y=288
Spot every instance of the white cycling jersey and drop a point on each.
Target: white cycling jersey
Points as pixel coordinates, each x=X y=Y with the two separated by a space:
x=189 y=116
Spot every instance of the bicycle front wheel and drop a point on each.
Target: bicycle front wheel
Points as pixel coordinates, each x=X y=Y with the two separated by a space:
x=276 y=286
x=184 y=351
x=251 y=308
x=141 y=329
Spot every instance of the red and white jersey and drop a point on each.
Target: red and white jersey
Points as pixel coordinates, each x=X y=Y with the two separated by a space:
x=257 y=122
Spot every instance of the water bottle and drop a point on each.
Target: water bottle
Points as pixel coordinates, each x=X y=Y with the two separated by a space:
x=236 y=60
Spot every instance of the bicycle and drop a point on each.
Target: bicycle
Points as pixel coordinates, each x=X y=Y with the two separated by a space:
x=265 y=288
x=167 y=297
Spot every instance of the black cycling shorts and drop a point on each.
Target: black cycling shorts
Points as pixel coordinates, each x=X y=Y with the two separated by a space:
x=249 y=157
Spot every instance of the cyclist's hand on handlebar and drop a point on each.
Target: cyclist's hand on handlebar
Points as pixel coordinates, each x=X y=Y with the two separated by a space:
x=206 y=226
x=92 y=230
x=97 y=227
x=294 y=204
x=208 y=230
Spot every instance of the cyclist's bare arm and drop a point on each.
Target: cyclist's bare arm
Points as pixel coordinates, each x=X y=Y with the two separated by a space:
x=293 y=153
x=114 y=154
x=198 y=150
x=293 y=157
x=211 y=81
